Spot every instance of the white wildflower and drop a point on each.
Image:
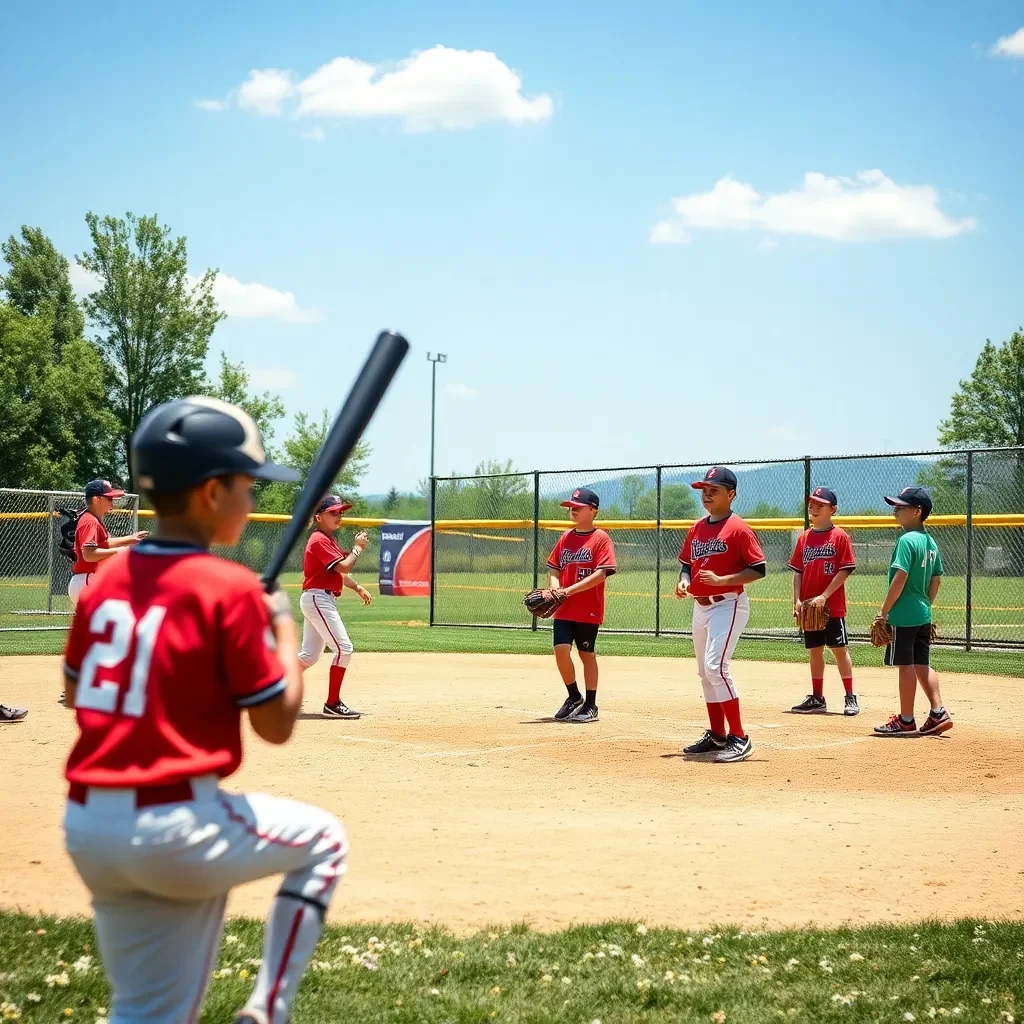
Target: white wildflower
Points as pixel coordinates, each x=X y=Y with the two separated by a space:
x=34 y=997
x=638 y=961
x=856 y=957
x=546 y=978
x=641 y=929
x=510 y=959
x=567 y=981
x=909 y=1016
x=83 y=964
x=435 y=991
x=369 y=961
x=58 y=979
x=230 y=940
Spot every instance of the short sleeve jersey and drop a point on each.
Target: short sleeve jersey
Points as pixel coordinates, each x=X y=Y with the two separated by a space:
x=322 y=552
x=575 y=557
x=89 y=533
x=917 y=554
x=817 y=557
x=726 y=547
x=167 y=647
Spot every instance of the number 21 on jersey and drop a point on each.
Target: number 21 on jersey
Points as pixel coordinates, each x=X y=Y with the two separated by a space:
x=118 y=618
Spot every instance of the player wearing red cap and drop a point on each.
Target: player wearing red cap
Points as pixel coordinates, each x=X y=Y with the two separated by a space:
x=325 y=572
x=167 y=649
x=92 y=542
x=582 y=559
x=823 y=561
x=719 y=556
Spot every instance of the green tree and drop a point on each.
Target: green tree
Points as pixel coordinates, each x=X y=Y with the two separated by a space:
x=299 y=451
x=232 y=385
x=766 y=510
x=988 y=408
x=678 y=502
x=37 y=283
x=391 y=502
x=55 y=429
x=632 y=492
x=153 y=323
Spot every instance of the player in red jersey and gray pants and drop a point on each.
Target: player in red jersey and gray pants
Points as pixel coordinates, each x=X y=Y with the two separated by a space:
x=92 y=542
x=166 y=651
x=325 y=569
x=719 y=556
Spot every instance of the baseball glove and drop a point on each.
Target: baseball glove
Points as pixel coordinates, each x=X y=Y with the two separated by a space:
x=881 y=633
x=813 y=617
x=543 y=603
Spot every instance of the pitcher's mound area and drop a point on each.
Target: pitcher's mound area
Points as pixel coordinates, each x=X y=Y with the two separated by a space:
x=467 y=806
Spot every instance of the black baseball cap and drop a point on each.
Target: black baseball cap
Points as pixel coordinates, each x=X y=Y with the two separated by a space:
x=102 y=489
x=915 y=497
x=717 y=475
x=331 y=503
x=824 y=496
x=582 y=497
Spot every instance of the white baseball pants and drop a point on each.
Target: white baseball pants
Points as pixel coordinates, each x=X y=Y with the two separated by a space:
x=716 y=628
x=160 y=878
x=322 y=625
x=77 y=584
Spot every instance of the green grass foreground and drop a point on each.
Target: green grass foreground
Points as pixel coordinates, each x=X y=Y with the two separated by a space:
x=615 y=973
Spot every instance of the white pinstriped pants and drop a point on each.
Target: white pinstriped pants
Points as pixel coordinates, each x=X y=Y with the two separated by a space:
x=322 y=625
x=716 y=628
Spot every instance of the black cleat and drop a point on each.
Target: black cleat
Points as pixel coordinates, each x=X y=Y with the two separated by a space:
x=811 y=705
x=736 y=749
x=851 y=706
x=568 y=709
x=339 y=710
x=709 y=743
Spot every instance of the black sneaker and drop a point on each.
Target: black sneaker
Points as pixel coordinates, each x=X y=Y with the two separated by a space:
x=935 y=725
x=8 y=714
x=810 y=705
x=568 y=709
x=709 y=743
x=585 y=715
x=339 y=710
x=850 y=705
x=735 y=749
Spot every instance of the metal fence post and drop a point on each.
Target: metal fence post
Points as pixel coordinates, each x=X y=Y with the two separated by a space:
x=657 y=562
x=970 y=548
x=536 y=538
x=49 y=553
x=433 y=546
x=807 y=490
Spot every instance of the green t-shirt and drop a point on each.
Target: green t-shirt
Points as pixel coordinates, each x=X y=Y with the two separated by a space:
x=918 y=556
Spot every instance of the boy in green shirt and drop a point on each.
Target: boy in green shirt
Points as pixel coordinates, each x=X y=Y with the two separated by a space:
x=915 y=574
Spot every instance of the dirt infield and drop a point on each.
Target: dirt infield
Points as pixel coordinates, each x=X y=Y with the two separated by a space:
x=465 y=807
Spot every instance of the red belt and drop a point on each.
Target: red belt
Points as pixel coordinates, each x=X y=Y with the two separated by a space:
x=705 y=601
x=145 y=796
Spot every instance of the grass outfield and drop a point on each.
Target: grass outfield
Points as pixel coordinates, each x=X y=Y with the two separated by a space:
x=614 y=973
x=400 y=624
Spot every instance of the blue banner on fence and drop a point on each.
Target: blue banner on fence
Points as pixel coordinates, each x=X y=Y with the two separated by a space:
x=405 y=560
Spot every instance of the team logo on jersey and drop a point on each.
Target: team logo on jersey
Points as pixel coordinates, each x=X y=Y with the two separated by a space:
x=571 y=557
x=823 y=551
x=703 y=548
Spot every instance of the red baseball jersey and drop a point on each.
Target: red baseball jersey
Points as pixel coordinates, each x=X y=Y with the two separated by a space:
x=575 y=557
x=726 y=547
x=322 y=551
x=167 y=646
x=89 y=533
x=817 y=557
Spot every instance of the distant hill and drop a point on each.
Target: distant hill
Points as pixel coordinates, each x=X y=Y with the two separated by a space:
x=860 y=484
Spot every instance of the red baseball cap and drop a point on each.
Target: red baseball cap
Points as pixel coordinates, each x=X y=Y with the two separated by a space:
x=331 y=503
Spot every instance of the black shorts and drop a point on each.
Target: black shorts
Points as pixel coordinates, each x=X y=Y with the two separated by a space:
x=583 y=634
x=833 y=635
x=910 y=646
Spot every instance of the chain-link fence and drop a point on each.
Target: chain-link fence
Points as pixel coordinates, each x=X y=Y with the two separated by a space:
x=493 y=534
x=34 y=575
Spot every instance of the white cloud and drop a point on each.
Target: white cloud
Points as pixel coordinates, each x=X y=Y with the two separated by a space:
x=212 y=104
x=668 y=232
x=462 y=391
x=767 y=243
x=781 y=433
x=436 y=88
x=1010 y=46
x=315 y=135
x=265 y=91
x=258 y=301
x=83 y=281
x=868 y=207
x=274 y=379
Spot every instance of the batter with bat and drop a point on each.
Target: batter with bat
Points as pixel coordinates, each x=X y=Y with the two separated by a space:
x=167 y=650
x=822 y=562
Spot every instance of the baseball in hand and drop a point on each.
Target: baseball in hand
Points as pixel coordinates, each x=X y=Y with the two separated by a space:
x=361 y=540
x=682 y=590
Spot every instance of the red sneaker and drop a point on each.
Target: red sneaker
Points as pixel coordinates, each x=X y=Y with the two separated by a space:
x=896 y=727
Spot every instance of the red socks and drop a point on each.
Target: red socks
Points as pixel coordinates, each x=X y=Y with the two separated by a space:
x=817 y=687
x=716 y=715
x=337 y=675
x=848 y=685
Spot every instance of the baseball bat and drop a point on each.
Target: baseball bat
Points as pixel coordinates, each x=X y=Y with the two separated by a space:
x=369 y=388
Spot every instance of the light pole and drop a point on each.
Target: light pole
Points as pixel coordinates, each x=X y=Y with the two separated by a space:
x=434 y=359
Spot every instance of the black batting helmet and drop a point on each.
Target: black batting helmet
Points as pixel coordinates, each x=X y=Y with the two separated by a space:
x=182 y=443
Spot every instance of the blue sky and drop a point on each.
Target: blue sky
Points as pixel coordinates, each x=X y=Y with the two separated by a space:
x=619 y=253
